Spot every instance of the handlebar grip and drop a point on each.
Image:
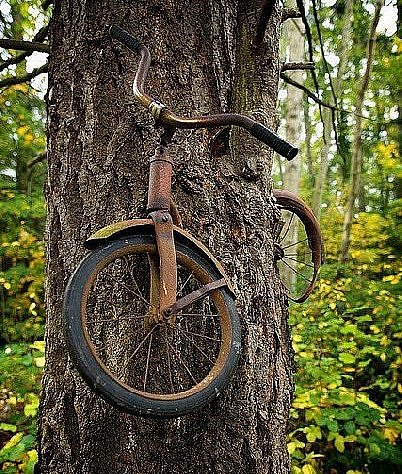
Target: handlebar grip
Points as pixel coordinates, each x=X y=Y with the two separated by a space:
x=125 y=38
x=279 y=145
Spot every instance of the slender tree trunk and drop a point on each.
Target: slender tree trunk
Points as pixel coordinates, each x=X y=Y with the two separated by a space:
x=356 y=165
x=398 y=184
x=307 y=128
x=99 y=144
x=321 y=177
x=294 y=33
x=21 y=182
x=337 y=82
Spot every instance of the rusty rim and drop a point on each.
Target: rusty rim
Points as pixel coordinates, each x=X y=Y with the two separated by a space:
x=126 y=368
x=298 y=256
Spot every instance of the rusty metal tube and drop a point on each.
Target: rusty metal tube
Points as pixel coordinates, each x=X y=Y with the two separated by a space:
x=160 y=180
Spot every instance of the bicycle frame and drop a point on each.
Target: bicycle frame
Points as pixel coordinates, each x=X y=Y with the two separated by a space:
x=163 y=215
x=160 y=206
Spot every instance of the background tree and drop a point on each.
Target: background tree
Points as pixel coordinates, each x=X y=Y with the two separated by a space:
x=357 y=151
x=294 y=39
x=99 y=143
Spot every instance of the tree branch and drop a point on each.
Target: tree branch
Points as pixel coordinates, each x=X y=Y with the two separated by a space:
x=310 y=94
x=289 y=13
x=294 y=66
x=266 y=13
x=40 y=36
x=11 y=81
x=46 y=4
x=37 y=159
x=20 y=45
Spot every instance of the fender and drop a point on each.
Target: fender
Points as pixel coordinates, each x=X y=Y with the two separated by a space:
x=137 y=226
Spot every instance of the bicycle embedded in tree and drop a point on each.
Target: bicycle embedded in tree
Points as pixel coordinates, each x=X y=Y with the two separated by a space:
x=149 y=315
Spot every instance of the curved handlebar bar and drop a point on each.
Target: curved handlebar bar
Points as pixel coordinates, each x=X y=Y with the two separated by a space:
x=165 y=115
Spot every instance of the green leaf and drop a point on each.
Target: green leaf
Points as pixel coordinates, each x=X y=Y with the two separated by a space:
x=347 y=358
x=12 y=449
x=340 y=443
x=349 y=427
x=295 y=444
x=31 y=406
x=313 y=433
x=28 y=466
x=8 y=427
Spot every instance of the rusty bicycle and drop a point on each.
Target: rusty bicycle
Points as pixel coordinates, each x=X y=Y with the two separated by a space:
x=149 y=315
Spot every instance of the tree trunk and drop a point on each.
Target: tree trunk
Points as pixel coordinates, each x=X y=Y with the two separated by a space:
x=345 y=46
x=356 y=165
x=307 y=128
x=294 y=31
x=99 y=144
x=321 y=177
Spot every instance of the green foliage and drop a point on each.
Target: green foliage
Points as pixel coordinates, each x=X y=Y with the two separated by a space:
x=21 y=368
x=346 y=413
x=21 y=266
x=22 y=109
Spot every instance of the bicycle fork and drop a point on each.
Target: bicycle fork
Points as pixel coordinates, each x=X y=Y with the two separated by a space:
x=163 y=267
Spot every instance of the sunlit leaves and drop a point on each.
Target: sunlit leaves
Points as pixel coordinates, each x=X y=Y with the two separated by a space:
x=21 y=266
x=347 y=344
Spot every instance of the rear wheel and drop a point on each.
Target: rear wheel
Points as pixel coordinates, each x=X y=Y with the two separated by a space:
x=298 y=246
x=135 y=360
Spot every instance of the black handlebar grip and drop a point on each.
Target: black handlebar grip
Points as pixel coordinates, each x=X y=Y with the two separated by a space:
x=125 y=38
x=279 y=145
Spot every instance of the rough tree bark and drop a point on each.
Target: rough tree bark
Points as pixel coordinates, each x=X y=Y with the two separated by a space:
x=99 y=144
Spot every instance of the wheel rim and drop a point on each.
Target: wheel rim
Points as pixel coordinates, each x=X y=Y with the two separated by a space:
x=296 y=246
x=155 y=360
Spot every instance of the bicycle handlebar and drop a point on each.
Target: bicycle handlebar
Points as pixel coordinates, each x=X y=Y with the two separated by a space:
x=164 y=114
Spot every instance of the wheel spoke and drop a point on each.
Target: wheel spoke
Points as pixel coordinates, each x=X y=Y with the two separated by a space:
x=142 y=342
x=169 y=360
x=184 y=284
x=201 y=335
x=104 y=345
x=287 y=229
x=114 y=320
x=138 y=289
x=296 y=243
x=148 y=357
x=299 y=261
x=298 y=273
x=138 y=295
x=195 y=345
x=183 y=364
x=198 y=314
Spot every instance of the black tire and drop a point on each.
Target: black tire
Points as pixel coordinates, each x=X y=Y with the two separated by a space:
x=94 y=302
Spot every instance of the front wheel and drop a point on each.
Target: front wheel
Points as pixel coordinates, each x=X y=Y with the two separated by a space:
x=136 y=362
